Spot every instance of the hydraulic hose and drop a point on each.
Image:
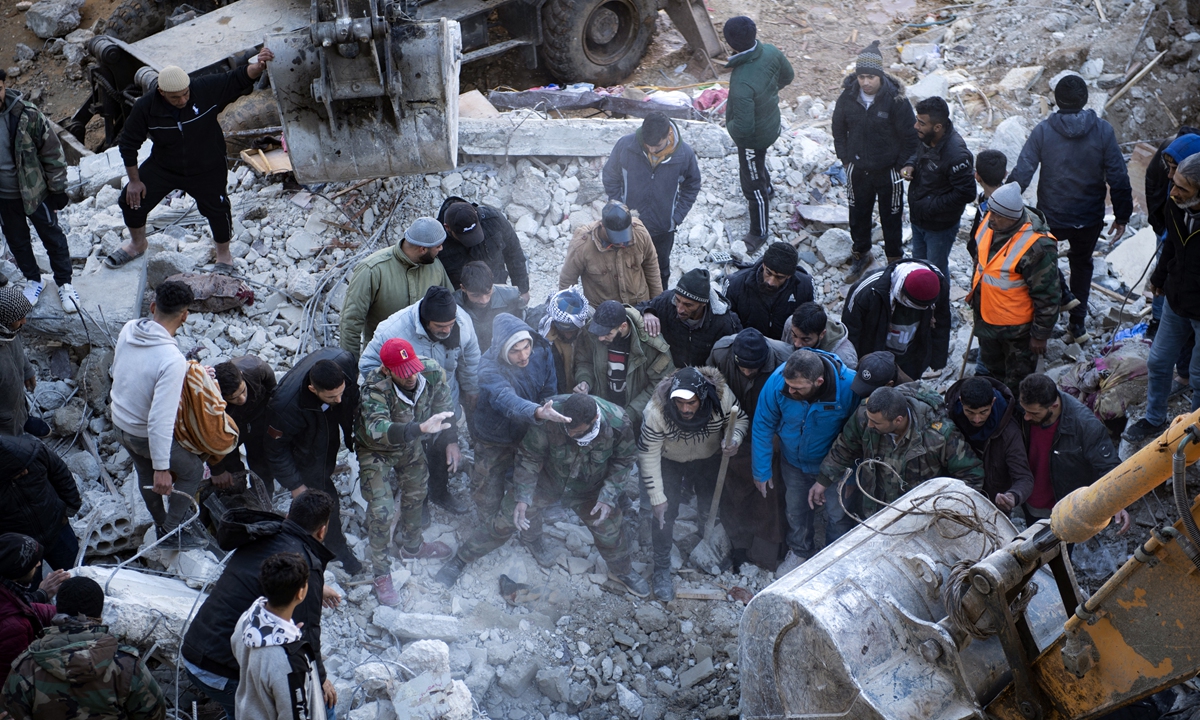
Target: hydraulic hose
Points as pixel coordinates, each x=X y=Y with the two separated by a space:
x=1179 y=478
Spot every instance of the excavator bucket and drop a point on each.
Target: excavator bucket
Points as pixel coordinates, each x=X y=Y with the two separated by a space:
x=364 y=94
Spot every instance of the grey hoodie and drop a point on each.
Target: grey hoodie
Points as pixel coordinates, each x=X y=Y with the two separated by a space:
x=277 y=675
x=147 y=374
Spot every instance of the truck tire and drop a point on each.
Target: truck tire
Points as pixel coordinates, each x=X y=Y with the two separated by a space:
x=596 y=41
x=134 y=20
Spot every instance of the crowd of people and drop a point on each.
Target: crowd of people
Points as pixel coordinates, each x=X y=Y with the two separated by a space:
x=616 y=397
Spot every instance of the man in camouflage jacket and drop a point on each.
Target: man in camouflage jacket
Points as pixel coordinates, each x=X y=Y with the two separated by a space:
x=78 y=671
x=582 y=462
x=903 y=428
x=403 y=399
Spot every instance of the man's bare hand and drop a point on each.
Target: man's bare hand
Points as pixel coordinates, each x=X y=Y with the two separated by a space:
x=52 y=582
x=299 y=490
x=1006 y=501
x=31 y=383
x=547 y=412
x=652 y=325
x=582 y=388
x=163 y=482
x=763 y=486
x=1122 y=518
x=816 y=495
x=519 y=516
x=134 y=192
x=906 y=172
x=453 y=457
x=731 y=449
x=604 y=509
x=1154 y=289
x=330 y=598
x=1036 y=346
x=436 y=423
x=224 y=480
x=330 y=693
x=1116 y=231
x=660 y=514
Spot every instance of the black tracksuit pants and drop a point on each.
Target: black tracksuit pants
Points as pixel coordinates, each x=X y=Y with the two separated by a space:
x=756 y=187
x=207 y=189
x=866 y=186
x=16 y=232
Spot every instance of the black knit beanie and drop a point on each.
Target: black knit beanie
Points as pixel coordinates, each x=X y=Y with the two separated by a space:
x=437 y=306
x=740 y=33
x=781 y=257
x=1071 y=93
x=18 y=555
x=694 y=285
x=870 y=61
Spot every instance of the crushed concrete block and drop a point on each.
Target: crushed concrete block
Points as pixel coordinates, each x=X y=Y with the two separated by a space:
x=630 y=701
x=417 y=626
x=426 y=656
x=163 y=265
x=374 y=710
x=375 y=678
x=518 y=676
x=301 y=283
x=575 y=137
x=913 y=53
x=1021 y=78
x=144 y=609
x=83 y=466
x=196 y=567
x=702 y=671
x=932 y=85
x=824 y=214
x=1129 y=259
x=106 y=168
x=433 y=696
x=53 y=18
x=67 y=419
x=24 y=53
x=303 y=244
x=834 y=246
x=650 y=618
x=554 y=684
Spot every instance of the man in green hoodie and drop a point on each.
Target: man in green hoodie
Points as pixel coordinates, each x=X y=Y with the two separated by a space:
x=760 y=71
x=78 y=671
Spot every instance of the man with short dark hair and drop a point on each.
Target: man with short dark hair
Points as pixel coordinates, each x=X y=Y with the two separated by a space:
x=654 y=172
x=247 y=384
x=481 y=233
x=811 y=327
x=764 y=295
x=942 y=183
x=17 y=374
x=691 y=318
x=618 y=360
x=484 y=300
x=905 y=309
x=987 y=415
x=614 y=259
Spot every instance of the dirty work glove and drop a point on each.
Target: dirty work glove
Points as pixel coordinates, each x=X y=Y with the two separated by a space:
x=57 y=201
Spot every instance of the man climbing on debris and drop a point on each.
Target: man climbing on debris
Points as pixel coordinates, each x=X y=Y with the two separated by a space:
x=874 y=137
x=682 y=440
x=905 y=309
x=1081 y=166
x=247 y=384
x=77 y=669
x=752 y=118
x=17 y=374
x=480 y=233
x=765 y=295
x=561 y=321
x=33 y=188
x=811 y=327
x=484 y=300
x=614 y=258
x=987 y=415
x=437 y=329
x=207 y=655
x=582 y=461
x=690 y=318
x=188 y=153
x=317 y=398
x=942 y=182
x=391 y=279
x=39 y=498
x=654 y=172
x=403 y=400
x=620 y=361
x=21 y=620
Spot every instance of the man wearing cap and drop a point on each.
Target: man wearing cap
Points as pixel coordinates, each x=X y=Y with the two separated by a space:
x=404 y=400
x=1015 y=292
x=561 y=321
x=1082 y=166
x=180 y=117
x=655 y=172
x=21 y=621
x=876 y=370
x=391 y=279
x=691 y=318
x=681 y=443
x=484 y=300
x=760 y=71
x=618 y=360
x=811 y=327
x=764 y=295
x=439 y=329
x=942 y=183
x=17 y=374
x=874 y=137
x=904 y=308
x=481 y=233
x=614 y=258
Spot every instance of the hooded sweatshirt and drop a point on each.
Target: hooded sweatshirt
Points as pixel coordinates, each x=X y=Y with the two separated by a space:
x=278 y=678
x=147 y=373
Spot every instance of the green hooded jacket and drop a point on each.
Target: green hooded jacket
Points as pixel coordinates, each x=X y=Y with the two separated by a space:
x=752 y=112
x=649 y=362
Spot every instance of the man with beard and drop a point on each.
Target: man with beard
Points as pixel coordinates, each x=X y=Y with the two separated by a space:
x=560 y=321
x=987 y=415
x=484 y=300
x=681 y=444
x=391 y=279
x=438 y=329
x=618 y=360
x=811 y=327
x=764 y=295
x=691 y=318
x=246 y=384
x=942 y=183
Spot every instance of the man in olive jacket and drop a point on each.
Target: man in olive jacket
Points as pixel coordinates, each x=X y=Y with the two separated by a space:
x=760 y=71
x=619 y=361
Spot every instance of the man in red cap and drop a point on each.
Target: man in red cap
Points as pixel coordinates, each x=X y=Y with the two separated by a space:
x=905 y=309
x=403 y=400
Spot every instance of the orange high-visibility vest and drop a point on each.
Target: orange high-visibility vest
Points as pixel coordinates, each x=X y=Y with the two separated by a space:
x=1004 y=297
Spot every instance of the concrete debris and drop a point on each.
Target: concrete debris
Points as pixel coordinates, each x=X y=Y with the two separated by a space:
x=630 y=701
x=518 y=676
x=1021 y=78
x=145 y=609
x=426 y=656
x=433 y=696
x=417 y=626
x=526 y=133
x=53 y=18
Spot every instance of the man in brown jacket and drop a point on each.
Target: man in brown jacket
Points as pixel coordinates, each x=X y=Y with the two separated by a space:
x=615 y=259
x=985 y=411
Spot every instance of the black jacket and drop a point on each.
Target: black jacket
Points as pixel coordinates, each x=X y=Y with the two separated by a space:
x=747 y=389
x=1082 y=451
x=879 y=138
x=187 y=141
x=302 y=440
x=1158 y=187
x=206 y=644
x=37 y=491
x=1178 y=269
x=688 y=346
x=500 y=248
x=943 y=183
x=662 y=195
x=251 y=417
x=768 y=314
x=868 y=310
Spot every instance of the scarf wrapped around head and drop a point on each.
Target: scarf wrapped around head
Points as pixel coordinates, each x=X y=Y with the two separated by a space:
x=688 y=383
x=13 y=307
x=567 y=307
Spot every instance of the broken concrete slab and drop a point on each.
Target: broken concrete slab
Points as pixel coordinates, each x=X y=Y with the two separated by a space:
x=932 y=85
x=109 y=298
x=1129 y=259
x=426 y=656
x=834 y=246
x=106 y=168
x=417 y=626
x=825 y=214
x=1021 y=78
x=144 y=609
x=518 y=676
x=516 y=134
x=433 y=696
x=53 y=18
x=702 y=671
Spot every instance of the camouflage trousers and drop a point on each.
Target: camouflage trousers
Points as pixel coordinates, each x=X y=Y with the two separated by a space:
x=493 y=473
x=609 y=535
x=1009 y=360
x=412 y=485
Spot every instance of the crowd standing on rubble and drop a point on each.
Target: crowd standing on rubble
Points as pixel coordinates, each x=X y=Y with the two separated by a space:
x=563 y=402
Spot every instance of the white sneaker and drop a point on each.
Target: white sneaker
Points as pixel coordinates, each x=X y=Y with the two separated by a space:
x=790 y=563
x=69 y=298
x=33 y=290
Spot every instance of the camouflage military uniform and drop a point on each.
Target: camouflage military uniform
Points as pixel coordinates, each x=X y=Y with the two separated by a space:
x=79 y=672
x=931 y=447
x=384 y=403
x=551 y=466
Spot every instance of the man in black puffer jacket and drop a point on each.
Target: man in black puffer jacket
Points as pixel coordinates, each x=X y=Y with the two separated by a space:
x=692 y=318
x=905 y=309
x=479 y=232
x=207 y=655
x=37 y=496
x=874 y=137
x=765 y=295
x=943 y=182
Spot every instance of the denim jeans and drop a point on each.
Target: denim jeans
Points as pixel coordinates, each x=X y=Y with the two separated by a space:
x=934 y=246
x=1173 y=333
x=800 y=517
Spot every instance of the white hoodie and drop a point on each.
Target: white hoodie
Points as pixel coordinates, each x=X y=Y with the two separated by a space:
x=147 y=374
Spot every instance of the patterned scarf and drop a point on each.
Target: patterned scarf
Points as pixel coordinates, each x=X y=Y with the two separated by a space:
x=202 y=426
x=657 y=157
x=266 y=629
x=13 y=307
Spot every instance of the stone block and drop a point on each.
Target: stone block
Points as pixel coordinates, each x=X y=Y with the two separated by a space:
x=650 y=618
x=417 y=626
x=575 y=137
x=163 y=265
x=630 y=701
x=106 y=168
x=825 y=214
x=433 y=696
x=1129 y=259
x=302 y=284
x=1021 y=78
x=915 y=53
x=142 y=608
x=518 y=676
x=375 y=678
x=700 y=672
x=932 y=85
x=834 y=246
x=53 y=18
x=426 y=656
x=84 y=466
x=554 y=684
x=302 y=244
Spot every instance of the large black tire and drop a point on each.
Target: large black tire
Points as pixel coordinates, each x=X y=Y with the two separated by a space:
x=133 y=20
x=596 y=41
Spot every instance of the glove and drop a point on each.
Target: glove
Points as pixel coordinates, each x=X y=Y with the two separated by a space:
x=57 y=201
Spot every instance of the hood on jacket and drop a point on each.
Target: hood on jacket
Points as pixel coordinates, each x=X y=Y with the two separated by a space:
x=953 y=400
x=1073 y=124
x=662 y=393
x=1183 y=147
x=16 y=453
x=75 y=654
x=505 y=326
x=147 y=333
x=441 y=215
x=745 y=56
x=11 y=99
x=926 y=405
x=890 y=85
x=835 y=330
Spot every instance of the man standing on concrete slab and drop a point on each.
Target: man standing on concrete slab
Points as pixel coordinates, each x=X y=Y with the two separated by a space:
x=942 y=183
x=33 y=187
x=654 y=172
x=691 y=318
x=180 y=116
x=752 y=118
x=988 y=416
x=391 y=279
x=903 y=308
x=481 y=233
x=247 y=384
x=1081 y=166
x=614 y=258
x=484 y=300
x=620 y=361
x=148 y=372
x=765 y=294
x=874 y=137
x=17 y=374
x=811 y=327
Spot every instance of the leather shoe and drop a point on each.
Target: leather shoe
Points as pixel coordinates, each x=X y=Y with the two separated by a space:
x=450 y=504
x=449 y=573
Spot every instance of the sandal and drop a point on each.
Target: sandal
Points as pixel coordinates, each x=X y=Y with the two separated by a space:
x=120 y=258
x=225 y=269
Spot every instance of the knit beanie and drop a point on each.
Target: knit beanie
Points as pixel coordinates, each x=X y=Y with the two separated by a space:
x=922 y=285
x=870 y=61
x=13 y=305
x=18 y=555
x=1071 y=93
x=750 y=349
x=398 y=356
x=781 y=257
x=740 y=32
x=1007 y=202
x=437 y=306
x=425 y=232
x=694 y=285
x=173 y=78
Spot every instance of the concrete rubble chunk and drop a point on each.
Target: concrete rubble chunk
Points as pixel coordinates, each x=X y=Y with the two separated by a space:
x=554 y=684
x=932 y=85
x=53 y=18
x=375 y=678
x=702 y=671
x=106 y=168
x=374 y=710
x=118 y=292
x=144 y=609
x=1021 y=78
x=834 y=246
x=825 y=214
x=1129 y=259
x=630 y=701
x=417 y=626
x=650 y=618
x=433 y=696
x=518 y=676
x=426 y=656
x=514 y=135
x=163 y=265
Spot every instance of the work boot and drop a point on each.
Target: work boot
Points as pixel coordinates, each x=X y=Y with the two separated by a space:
x=384 y=592
x=450 y=572
x=427 y=551
x=622 y=571
x=790 y=563
x=1078 y=332
x=664 y=585
x=538 y=549
x=450 y=504
x=1143 y=430
x=860 y=263
x=753 y=242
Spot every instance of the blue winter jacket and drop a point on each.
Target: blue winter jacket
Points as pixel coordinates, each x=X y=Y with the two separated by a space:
x=1079 y=156
x=509 y=395
x=806 y=430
